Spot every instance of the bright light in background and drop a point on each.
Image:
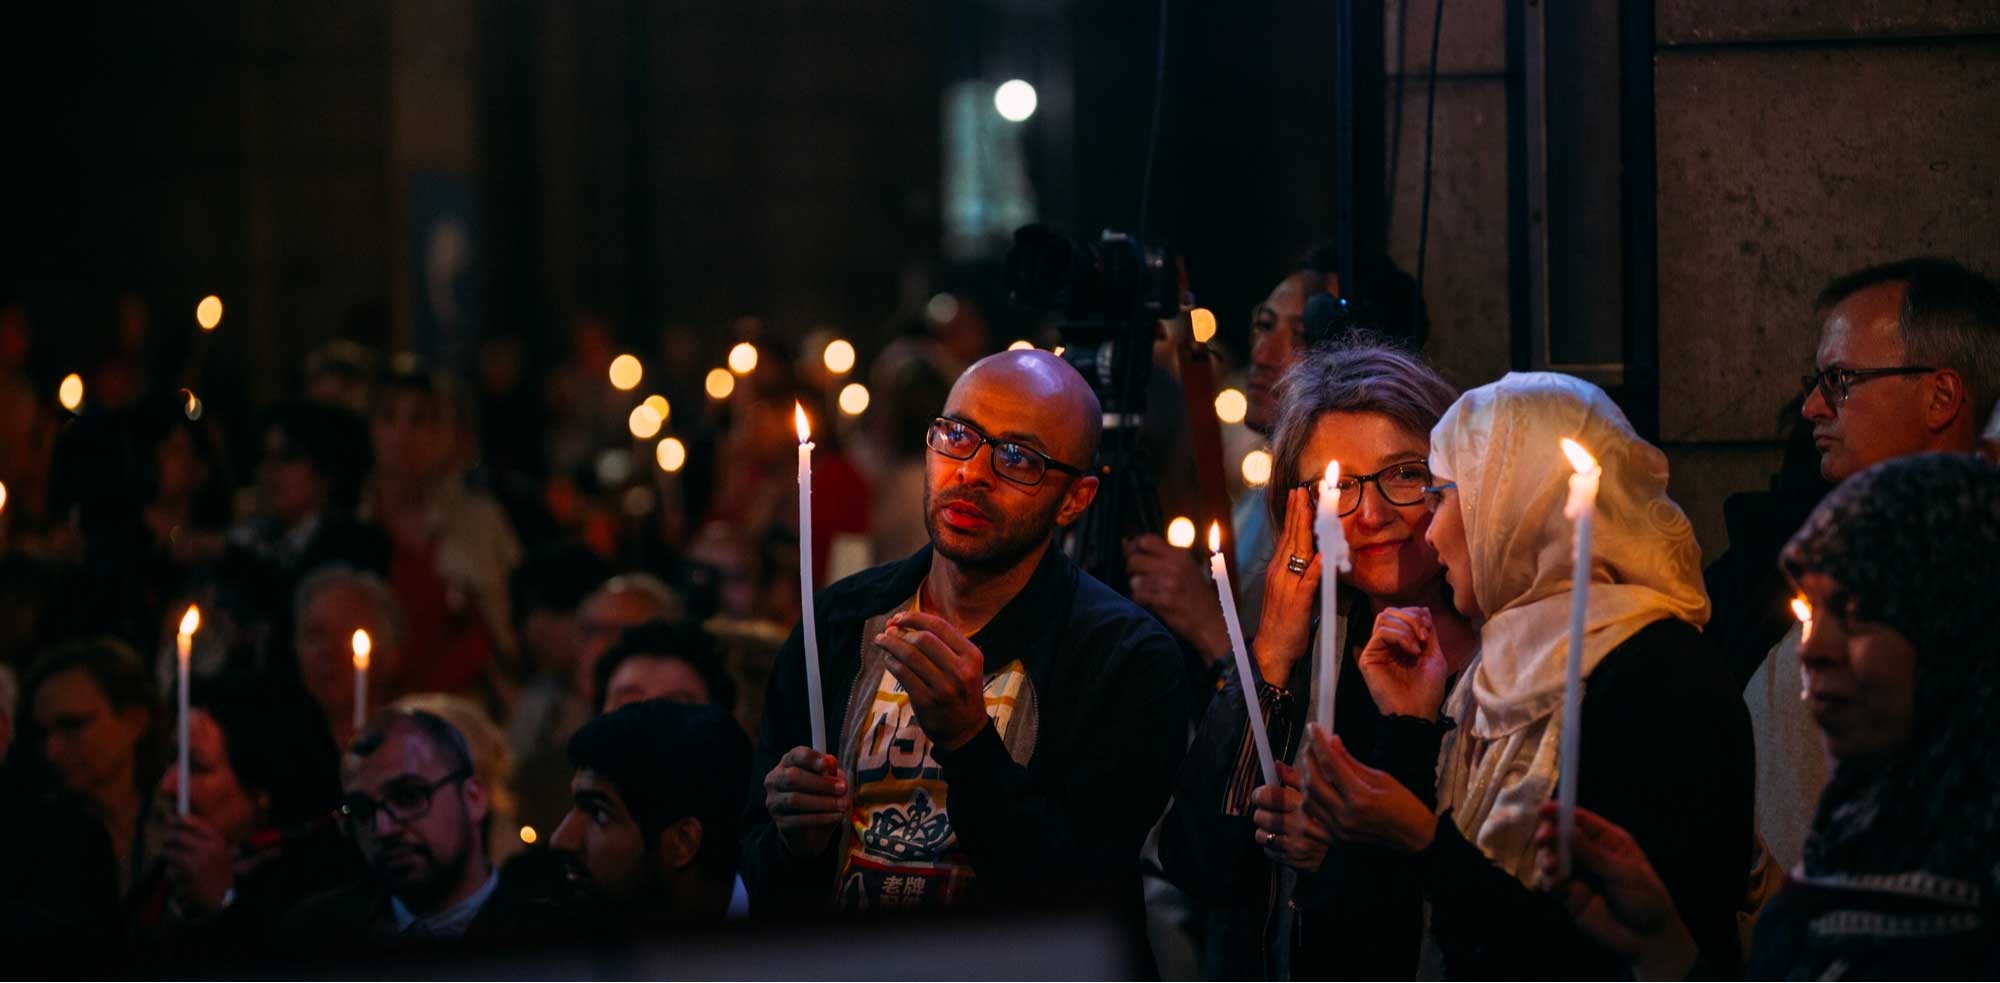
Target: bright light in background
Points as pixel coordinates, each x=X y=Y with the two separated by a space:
x=720 y=383
x=626 y=372
x=743 y=358
x=528 y=835
x=854 y=399
x=1230 y=406
x=839 y=357
x=941 y=308
x=1180 y=532
x=614 y=466
x=3 y=496
x=208 y=313
x=660 y=406
x=1256 y=468
x=1021 y=345
x=70 y=393
x=1202 y=321
x=644 y=422
x=1015 y=100
x=194 y=405
x=671 y=454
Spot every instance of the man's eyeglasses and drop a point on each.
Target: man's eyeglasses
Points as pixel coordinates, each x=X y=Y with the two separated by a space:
x=1018 y=463
x=406 y=800
x=1835 y=384
x=1400 y=484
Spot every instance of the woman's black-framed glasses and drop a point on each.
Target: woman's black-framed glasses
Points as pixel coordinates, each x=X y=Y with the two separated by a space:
x=1836 y=384
x=406 y=800
x=1399 y=484
x=1014 y=461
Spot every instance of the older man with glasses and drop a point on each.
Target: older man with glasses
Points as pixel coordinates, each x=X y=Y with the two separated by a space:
x=1908 y=363
x=1001 y=726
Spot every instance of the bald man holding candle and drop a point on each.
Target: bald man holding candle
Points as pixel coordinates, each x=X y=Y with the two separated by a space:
x=1001 y=726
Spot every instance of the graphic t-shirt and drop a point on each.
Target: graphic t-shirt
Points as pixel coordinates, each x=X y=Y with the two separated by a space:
x=901 y=851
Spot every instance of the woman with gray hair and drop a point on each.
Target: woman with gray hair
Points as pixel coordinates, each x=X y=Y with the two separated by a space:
x=1371 y=406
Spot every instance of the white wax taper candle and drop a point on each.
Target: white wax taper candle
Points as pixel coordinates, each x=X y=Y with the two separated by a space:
x=1333 y=561
x=184 y=650
x=1245 y=674
x=363 y=648
x=1581 y=508
x=813 y=695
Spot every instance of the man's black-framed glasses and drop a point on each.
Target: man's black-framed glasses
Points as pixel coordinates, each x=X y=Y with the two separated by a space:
x=1014 y=461
x=1836 y=383
x=1400 y=484
x=406 y=800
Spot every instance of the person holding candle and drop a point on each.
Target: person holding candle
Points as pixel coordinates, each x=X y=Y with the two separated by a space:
x=1002 y=727
x=1665 y=738
x=259 y=835
x=1897 y=881
x=1371 y=407
x=333 y=603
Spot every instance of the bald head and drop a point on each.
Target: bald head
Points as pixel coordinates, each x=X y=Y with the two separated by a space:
x=1072 y=422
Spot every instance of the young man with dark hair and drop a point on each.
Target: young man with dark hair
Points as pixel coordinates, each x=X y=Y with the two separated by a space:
x=653 y=832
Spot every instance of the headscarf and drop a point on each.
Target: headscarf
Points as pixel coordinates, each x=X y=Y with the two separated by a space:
x=1500 y=444
x=1914 y=544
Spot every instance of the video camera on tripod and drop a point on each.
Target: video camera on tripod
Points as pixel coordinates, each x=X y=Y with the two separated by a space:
x=1111 y=295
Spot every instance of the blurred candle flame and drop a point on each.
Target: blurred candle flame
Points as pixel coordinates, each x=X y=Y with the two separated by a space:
x=1579 y=458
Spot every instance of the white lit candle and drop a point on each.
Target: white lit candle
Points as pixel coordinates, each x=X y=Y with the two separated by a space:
x=1244 y=673
x=813 y=696
x=363 y=648
x=184 y=648
x=1333 y=560
x=1581 y=509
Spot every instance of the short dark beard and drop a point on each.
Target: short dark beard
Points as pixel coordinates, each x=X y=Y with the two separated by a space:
x=1012 y=538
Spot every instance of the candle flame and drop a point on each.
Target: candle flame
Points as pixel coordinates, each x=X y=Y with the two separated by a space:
x=1333 y=474
x=1579 y=458
x=70 y=392
x=3 y=496
x=191 y=621
x=1180 y=532
x=363 y=647
x=799 y=418
x=1201 y=323
x=1802 y=610
x=1215 y=537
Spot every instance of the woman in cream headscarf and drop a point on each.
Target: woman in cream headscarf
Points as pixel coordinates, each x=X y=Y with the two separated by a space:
x=1665 y=739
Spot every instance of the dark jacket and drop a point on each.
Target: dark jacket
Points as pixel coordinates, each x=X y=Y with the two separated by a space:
x=1108 y=689
x=1354 y=917
x=1666 y=754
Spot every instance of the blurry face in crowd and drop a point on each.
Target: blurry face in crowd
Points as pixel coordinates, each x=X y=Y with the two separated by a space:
x=1393 y=562
x=424 y=857
x=606 y=613
x=604 y=851
x=1882 y=417
x=651 y=677
x=551 y=639
x=324 y=641
x=980 y=520
x=214 y=793
x=1447 y=537
x=1277 y=339
x=1860 y=679
x=90 y=744
x=177 y=468
x=412 y=434
x=291 y=488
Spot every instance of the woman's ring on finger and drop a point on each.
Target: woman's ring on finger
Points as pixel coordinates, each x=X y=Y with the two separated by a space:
x=1296 y=564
